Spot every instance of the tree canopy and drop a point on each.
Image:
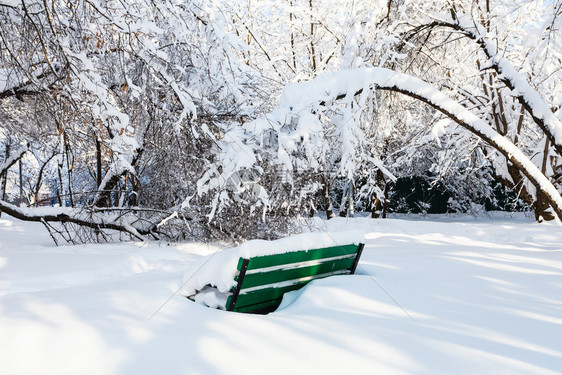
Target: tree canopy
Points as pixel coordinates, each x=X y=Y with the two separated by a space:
x=187 y=118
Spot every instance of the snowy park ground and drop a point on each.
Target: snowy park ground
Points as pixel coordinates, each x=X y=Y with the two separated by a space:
x=438 y=295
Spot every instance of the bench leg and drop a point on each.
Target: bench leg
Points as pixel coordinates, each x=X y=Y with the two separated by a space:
x=236 y=291
x=356 y=262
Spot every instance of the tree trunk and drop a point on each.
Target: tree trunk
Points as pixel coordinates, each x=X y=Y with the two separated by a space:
x=542 y=208
x=135 y=186
x=60 y=191
x=350 y=201
x=69 y=168
x=312 y=48
x=386 y=201
x=539 y=203
x=37 y=188
x=4 y=178
x=98 y=162
x=293 y=38
x=377 y=204
x=327 y=200
x=344 y=202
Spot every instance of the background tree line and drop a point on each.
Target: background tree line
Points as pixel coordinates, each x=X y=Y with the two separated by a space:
x=169 y=119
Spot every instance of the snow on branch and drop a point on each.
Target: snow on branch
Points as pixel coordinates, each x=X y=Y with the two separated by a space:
x=12 y=159
x=301 y=98
x=531 y=100
x=91 y=219
x=118 y=168
x=9 y=3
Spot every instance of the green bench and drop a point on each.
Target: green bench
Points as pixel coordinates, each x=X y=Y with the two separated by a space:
x=262 y=281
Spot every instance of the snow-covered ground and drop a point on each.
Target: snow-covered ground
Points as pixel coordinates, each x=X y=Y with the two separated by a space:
x=432 y=296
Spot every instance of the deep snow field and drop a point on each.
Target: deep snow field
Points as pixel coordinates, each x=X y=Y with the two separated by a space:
x=435 y=295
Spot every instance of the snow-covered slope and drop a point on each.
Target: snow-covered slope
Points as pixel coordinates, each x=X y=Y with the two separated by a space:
x=433 y=296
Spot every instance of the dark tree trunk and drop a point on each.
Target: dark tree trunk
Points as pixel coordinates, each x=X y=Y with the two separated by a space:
x=541 y=208
x=377 y=207
x=327 y=200
x=98 y=161
x=4 y=178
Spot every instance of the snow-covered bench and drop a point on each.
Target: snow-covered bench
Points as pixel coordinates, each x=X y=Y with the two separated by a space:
x=259 y=282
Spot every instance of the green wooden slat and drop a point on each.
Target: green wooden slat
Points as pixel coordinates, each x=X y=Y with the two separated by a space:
x=266 y=306
x=279 y=275
x=268 y=294
x=300 y=256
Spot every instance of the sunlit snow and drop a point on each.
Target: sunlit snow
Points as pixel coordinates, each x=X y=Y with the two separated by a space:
x=437 y=295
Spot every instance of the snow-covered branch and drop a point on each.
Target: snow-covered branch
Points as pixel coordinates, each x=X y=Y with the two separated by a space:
x=17 y=155
x=90 y=219
x=529 y=98
x=302 y=97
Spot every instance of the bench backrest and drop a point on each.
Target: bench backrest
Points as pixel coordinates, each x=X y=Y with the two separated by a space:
x=263 y=280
